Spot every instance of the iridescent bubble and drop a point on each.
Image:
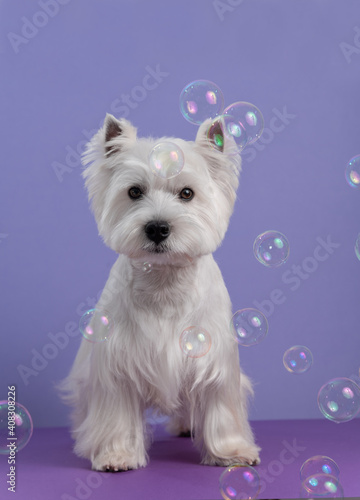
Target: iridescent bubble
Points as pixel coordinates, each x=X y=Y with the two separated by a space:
x=298 y=359
x=249 y=116
x=321 y=485
x=271 y=248
x=16 y=425
x=357 y=247
x=339 y=400
x=319 y=464
x=195 y=341
x=249 y=327
x=352 y=172
x=200 y=100
x=166 y=160
x=146 y=267
x=239 y=482
x=96 y=325
x=225 y=134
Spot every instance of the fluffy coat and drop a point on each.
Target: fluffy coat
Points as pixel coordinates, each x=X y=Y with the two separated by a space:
x=142 y=365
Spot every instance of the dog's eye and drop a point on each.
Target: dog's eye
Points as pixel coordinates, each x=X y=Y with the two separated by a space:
x=186 y=194
x=135 y=192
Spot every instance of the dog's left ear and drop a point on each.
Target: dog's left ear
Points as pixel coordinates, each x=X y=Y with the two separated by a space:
x=218 y=150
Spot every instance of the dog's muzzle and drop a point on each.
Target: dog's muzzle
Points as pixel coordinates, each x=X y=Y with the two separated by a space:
x=157 y=231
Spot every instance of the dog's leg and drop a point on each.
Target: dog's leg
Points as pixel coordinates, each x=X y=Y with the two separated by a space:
x=112 y=434
x=222 y=430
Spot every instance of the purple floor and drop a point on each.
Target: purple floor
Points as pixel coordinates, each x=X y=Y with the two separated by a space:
x=47 y=469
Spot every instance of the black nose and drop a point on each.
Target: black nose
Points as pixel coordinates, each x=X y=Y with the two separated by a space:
x=157 y=231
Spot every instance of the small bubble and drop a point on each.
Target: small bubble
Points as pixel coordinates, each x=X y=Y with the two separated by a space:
x=195 y=341
x=298 y=359
x=271 y=248
x=146 y=267
x=352 y=172
x=249 y=117
x=200 y=100
x=239 y=482
x=339 y=400
x=166 y=160
x=95 y=325
x=19 y=427
x=249 y=327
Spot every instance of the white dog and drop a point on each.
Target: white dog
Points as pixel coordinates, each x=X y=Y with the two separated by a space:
x=174 y=225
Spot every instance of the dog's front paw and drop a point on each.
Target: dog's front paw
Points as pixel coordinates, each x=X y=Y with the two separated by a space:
x=107 y=462
x=247 y=455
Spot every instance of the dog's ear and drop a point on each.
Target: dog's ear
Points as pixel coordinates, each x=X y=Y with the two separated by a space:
x=118 y=134
x=102 y=157
x=218 y=150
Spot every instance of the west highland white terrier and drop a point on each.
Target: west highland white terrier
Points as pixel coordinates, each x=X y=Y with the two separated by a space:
x=174 y=225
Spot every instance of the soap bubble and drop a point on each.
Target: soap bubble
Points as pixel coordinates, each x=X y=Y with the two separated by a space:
x=225 y=134
x=146 y=267
x=352 y=172
x=200 y=100
x=195 y=341
x=339 y=400
x=249 y=116
x=96 y=325
x=319 y=464
x=238 y=482
x=166 y=160
x=357 y=247
x=249 y=326
x=298 y=359
x=16 y=425
x=323 y=486
x=271 y=248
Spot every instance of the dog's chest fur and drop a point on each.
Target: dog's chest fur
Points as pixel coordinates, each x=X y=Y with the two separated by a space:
x=151 y=311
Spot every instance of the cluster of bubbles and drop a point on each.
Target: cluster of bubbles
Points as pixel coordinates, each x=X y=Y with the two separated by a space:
x=18 y=428
x=319 y=476
x=352 y=172
x=239 y=482
x=271 y=248
x=339 y=400
x=298 y=359
x=96 y=325
x=195 y=341
x=240 y=123
x=249 y=326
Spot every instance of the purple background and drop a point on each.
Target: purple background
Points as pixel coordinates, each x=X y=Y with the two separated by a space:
x=276 y=54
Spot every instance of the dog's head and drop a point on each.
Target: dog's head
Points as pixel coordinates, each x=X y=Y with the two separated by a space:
x=153 y=219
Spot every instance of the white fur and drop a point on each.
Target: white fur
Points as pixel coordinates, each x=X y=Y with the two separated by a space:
x=141 y=365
